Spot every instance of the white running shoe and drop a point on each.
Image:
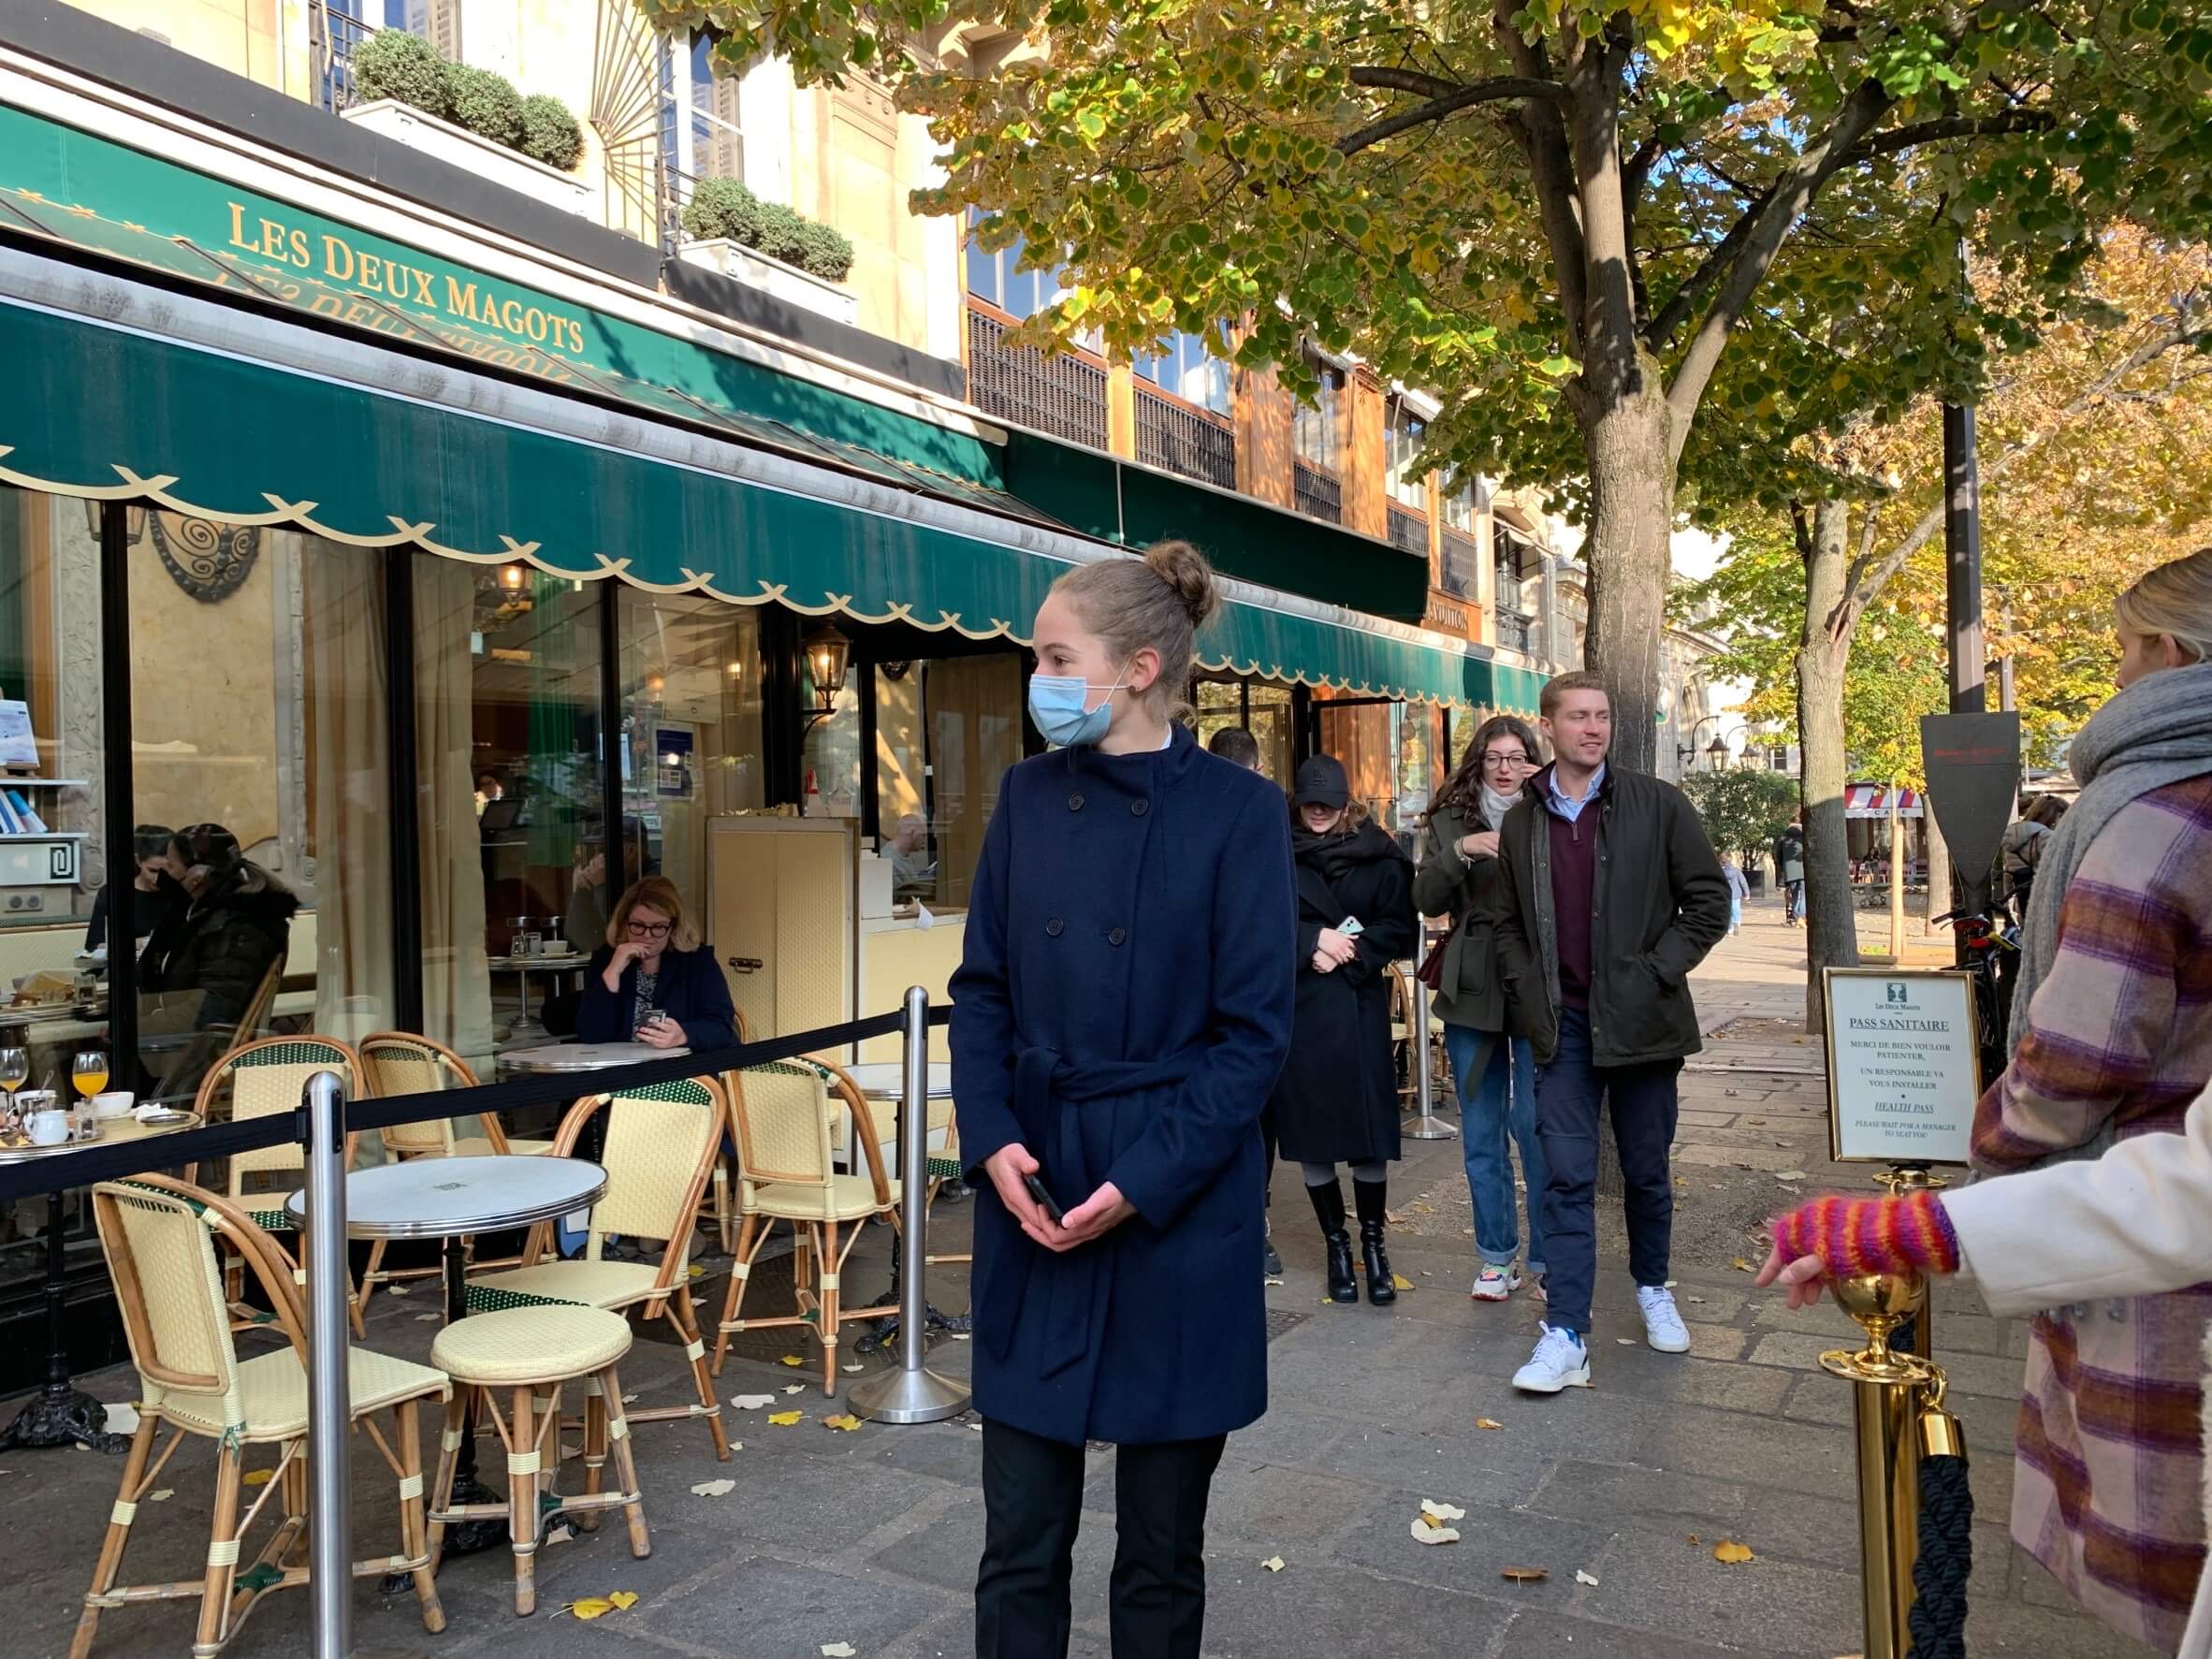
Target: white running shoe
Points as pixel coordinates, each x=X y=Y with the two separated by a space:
x=1560 y=1361
x=1496 y=1281
x=1663 y=1325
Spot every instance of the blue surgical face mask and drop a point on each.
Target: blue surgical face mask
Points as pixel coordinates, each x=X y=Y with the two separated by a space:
x=1057 y=705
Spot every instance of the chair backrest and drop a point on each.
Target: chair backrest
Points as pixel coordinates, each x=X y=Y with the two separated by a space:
x=158 y=1236
x=265 y=1078
x=787 y=1114
x=405 y=1063
x=660 y=1149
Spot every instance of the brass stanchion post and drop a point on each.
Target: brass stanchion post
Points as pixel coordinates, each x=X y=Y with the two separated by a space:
x=1887 y=1385
x=1916 y=1335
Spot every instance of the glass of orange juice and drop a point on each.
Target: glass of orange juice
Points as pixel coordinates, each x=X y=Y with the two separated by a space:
x=89 y=1072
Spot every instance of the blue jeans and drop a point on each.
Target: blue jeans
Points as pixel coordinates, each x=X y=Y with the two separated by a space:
x=1483 y=1063
x=1571 y=1092
x=1735 y=914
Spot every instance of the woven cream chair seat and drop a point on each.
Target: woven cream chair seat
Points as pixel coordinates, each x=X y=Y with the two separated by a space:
x=849 y=1198
x=477 y=1146
x=273 y=1393
x=531 y=1344
x=576 y=1284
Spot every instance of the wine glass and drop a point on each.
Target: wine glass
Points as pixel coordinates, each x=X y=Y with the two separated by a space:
x=14 y=1070
x=89 y=1072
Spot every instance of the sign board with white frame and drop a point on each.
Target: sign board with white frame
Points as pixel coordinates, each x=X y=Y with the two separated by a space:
x=1904 y=1066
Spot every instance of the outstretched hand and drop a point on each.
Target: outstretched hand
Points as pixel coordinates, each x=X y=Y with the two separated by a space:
x=1801 y=1278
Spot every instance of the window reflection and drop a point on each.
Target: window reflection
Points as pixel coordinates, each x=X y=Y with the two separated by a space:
x=947 y=729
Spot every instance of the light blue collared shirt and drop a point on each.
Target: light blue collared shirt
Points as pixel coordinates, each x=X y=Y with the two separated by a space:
x=1567 y=805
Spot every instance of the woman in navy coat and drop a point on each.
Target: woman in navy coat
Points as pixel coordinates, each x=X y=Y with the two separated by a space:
x=1119 y=1016
x=654 y=962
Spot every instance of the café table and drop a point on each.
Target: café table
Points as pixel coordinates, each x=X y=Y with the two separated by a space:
x=526 y=1023
x=551 y=1058
x=58 y=1414
x=451 y=1199
x=886 y=1080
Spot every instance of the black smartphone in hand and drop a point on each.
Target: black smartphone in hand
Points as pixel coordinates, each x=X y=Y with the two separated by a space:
x=1044 y=1198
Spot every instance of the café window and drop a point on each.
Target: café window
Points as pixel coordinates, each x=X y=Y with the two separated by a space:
x=1405 y=439
x=1261 y=709
x=511 y=805
x=1189 y=369
x=946 y=730
x=997 y=278
x=1314 y=432
x=258 y=736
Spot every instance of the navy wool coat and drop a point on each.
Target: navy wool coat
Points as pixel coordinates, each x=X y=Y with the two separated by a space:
x=691 y=991
x=1122 y=1008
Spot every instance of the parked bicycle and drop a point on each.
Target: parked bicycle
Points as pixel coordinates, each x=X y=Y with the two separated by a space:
x=1991 y=948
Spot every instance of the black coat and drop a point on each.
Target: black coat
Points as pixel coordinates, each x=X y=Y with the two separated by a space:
x=222 y=944
x=1337 y=1101
x=1473 y=991
x=691 y=991
x=1660 y=903
x=1121 y=1010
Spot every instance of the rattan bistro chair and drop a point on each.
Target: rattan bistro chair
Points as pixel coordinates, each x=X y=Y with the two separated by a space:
x=660 y=1144
x=783 y=1113
x=404 y=1063
x=1409 y=1054
x=266 y=1079
x=160 y=1238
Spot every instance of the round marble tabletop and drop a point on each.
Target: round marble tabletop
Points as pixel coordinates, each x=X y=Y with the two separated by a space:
x=436 y=1198
x=886 y=1080
x=582 y=1056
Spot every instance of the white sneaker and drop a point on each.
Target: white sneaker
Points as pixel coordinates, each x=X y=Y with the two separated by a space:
x=1496 y=1281
x=1560 y=1361
x=1663 y=1326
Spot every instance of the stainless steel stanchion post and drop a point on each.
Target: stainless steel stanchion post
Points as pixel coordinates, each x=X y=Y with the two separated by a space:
x=913 y=1393
x=1424 y=1125
x=329 y=1412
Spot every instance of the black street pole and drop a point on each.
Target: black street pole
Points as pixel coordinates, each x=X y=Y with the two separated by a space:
x=1962 y=590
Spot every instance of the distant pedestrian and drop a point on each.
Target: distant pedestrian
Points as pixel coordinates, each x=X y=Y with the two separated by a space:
x=1337 y=1100
x=1789 y=868
x=1739 y=890
x=2111 y=1039
x=1493 y=1066
x=1122 y=1006
x=2022 y=848
x=1236 y=746
x=1612 y=896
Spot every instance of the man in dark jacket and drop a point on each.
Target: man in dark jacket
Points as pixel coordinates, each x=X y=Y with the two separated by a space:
x=1789 y=868
x=1611 y=895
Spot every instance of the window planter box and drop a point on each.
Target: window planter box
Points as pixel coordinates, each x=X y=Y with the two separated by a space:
x=405 y=124
x=787 y=282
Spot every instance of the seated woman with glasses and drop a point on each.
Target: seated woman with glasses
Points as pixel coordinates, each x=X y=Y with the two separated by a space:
x=655 y=981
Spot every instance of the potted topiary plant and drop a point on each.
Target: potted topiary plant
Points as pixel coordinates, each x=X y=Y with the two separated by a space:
x=765 y=245
x=550 y=133
x=470 y=117
x=392 y=63
x=486 y=104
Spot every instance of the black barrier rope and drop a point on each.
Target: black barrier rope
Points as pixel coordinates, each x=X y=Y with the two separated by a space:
x=1938 y=1619
x=88 y=1166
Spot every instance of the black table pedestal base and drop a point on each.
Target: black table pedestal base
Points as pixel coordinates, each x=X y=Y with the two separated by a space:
x=62 y=1418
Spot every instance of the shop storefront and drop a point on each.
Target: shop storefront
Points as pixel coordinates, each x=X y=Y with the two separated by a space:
x=458 y=601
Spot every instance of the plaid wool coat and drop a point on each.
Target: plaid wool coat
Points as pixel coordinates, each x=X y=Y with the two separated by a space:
x=2107 y=1487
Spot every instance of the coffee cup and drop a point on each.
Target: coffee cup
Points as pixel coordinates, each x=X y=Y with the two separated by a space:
x=50 y=1127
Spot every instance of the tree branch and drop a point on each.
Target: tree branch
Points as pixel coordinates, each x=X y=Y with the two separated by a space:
x=1787 y=200
x=1684 y=301
x=1541 y=128
x=1956 y=126
x=1497 y=89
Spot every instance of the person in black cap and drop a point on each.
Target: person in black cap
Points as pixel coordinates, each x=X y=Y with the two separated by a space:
x=1337 y=1100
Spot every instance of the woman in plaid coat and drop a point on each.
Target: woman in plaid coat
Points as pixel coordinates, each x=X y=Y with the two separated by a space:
x=2112 y=1038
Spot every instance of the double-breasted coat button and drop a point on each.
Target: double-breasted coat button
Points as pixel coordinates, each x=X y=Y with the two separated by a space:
x=1074 y=803
x=1053 y=927
x=1116 y=935
x=1140 y=807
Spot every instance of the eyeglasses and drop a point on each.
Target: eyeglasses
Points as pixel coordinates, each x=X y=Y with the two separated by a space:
x=649 y=929
x=1506 y=757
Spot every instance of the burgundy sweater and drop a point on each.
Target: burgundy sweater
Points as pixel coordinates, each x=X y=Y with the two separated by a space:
x=1574 y=893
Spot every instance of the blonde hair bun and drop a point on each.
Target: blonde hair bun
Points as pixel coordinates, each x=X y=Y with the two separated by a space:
x=1186 y=570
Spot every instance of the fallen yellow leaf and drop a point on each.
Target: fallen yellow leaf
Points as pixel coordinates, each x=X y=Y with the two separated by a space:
x=1487 y=1422
x=598 y=1607
x=1740 y=1265
x=845 y=1425
x=1730 y=1552
x=258 y=1476
x=698 y=1272
x=795 y=1388
x=713 y=1489
x=839 y=1650
x=1436 y=1511
x=162 y=1496
x=1273 y=1563
x=1524 y=1575
x=794 y=1360
x=1401 y=1281
x=783 y=1419
x=1426 y=1532
x=1583 y=1578
x=752 y=1402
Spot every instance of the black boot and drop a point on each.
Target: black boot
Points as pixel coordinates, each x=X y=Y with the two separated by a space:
x=1329 y=1206
x=1372 y=1196
x=1270 y=1264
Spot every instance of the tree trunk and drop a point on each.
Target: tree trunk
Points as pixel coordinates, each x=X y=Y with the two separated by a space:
x=1939 y=866
x=1632 y=479
x=1831 y=921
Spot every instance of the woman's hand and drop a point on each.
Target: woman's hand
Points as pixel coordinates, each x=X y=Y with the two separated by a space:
x=1323 y=962
x=1006 y=1166
x=625 y=953
x=1096 y=1217
x=1802 y=1277
x=1483 y=845
x=662 y=1033
x=1337 y=947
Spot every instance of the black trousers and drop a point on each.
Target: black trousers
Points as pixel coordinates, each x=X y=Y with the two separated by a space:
x=1032 y=1505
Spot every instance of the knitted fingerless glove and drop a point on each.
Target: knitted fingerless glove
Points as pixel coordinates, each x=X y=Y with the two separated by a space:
x=1871 y=1235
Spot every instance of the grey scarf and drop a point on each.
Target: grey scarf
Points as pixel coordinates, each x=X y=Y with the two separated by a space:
x=1495 y=806
x=2156 y=733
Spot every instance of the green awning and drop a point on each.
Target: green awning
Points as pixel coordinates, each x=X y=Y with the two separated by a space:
x=96 y=410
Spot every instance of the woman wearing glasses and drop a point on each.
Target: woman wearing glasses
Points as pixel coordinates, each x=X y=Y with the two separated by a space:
x=655 y=981
x=1490 y=1059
